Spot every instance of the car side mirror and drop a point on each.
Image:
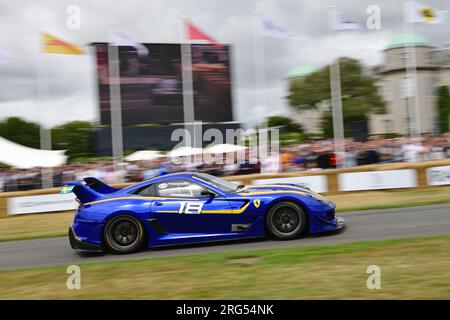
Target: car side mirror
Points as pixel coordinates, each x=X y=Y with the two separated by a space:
x=207 y=193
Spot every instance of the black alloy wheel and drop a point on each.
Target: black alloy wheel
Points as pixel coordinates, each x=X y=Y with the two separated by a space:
x=286 y=220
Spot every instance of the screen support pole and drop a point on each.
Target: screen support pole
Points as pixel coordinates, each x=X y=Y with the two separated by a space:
x=192 y=128
x=45 y=135
x=115 y=108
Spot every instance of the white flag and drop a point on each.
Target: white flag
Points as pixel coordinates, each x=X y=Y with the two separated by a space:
x=271 y=29
x=422 y=13
x=122 y=38
x=338 y=20
x=5 y=56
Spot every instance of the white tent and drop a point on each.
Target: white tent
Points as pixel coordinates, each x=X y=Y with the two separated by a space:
x=224 y=148
x=144 y=155
x=184 y=151
x=17 y=155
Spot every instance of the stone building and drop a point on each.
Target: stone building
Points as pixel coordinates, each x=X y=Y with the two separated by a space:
x=396 y=87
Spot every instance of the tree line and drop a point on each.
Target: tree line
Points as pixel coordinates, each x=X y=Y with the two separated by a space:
x=76 y=136
x=360 y=96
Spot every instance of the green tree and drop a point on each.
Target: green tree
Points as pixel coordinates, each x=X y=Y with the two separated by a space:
x=360 y=96
x=326 y=124
x=20 y=131
x=290 y=131
x=75 y=137
x=443 y=109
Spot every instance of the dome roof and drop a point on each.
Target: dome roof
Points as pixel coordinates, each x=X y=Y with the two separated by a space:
x=301 y=71
x=405 y=39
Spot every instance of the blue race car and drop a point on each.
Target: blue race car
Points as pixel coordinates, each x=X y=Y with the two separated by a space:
x=184 y=208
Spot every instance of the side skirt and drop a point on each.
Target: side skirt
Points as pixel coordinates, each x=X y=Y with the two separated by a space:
x=192 y=241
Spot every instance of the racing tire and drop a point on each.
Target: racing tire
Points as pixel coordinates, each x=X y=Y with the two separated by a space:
x=286 y=220
x=123 y=234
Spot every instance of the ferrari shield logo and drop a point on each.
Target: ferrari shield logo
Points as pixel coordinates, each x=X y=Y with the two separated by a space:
x=257 y=202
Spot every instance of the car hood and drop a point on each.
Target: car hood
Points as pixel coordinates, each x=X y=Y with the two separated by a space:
x=279 y=189
x=275 y=187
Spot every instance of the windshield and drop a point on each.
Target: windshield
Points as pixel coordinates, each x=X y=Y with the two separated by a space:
x=221 y=184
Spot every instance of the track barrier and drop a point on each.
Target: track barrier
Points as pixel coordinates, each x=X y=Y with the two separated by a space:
x=370 y=177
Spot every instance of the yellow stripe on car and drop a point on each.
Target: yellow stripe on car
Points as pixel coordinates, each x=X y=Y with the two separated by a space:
x=302 y=192
x=242 y=192
x=233 y=211
x=75 y=235
x=136 y=198
x=268 y=193
x=292 y=187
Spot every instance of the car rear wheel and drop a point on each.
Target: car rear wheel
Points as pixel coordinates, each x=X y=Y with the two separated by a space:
x=123 y=234
x=286 y=220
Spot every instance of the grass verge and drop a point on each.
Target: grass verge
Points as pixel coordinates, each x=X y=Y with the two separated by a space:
x=34 y=226
x=382 y=199
x=410 y=269
x=45 y=225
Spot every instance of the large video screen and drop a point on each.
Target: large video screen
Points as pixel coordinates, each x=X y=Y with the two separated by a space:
x=151 y=86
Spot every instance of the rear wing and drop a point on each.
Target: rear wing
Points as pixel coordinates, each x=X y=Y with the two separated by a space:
x=99 y=186
x=88 y=190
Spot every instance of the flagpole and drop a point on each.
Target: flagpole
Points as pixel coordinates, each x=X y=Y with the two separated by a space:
x=115 y=107
x=44 y=133
x=260 y=74
x=411 y=74
x=336 y=110
x=187 y=83
x=337 y=114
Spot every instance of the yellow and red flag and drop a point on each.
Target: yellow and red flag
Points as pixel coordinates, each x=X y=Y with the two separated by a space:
x=52 y=44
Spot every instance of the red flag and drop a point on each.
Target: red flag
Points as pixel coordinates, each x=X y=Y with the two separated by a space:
x=194 y=33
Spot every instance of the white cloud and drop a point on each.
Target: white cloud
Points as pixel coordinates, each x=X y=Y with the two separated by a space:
x=72 y=83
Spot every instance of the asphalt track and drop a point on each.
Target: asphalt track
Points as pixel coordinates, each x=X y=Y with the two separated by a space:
x=360 y=226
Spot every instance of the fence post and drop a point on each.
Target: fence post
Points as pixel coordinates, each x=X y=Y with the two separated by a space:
x=3 y=207
x=333 y=185
x=422 y=176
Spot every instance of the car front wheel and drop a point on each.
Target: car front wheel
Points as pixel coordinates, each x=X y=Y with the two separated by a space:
x=123 y=234
x=286 y=220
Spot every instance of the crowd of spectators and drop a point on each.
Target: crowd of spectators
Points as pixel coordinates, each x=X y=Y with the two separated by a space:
x=321 y=155
x=315 y=155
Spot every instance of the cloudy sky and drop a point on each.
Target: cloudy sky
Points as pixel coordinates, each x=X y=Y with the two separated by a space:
x=72 y=82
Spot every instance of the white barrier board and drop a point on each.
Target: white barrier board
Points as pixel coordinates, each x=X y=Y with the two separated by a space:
x=374 y=180
x=438 y=176
x=317 y=183
x=42 y=203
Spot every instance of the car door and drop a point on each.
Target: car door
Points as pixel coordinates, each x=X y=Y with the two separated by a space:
x=180 y=207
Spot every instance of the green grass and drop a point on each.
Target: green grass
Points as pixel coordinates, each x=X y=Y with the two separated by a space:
x=383 y=199
x=33 y=237
x=395 y=206
x=410 y=269
x=35 y=226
